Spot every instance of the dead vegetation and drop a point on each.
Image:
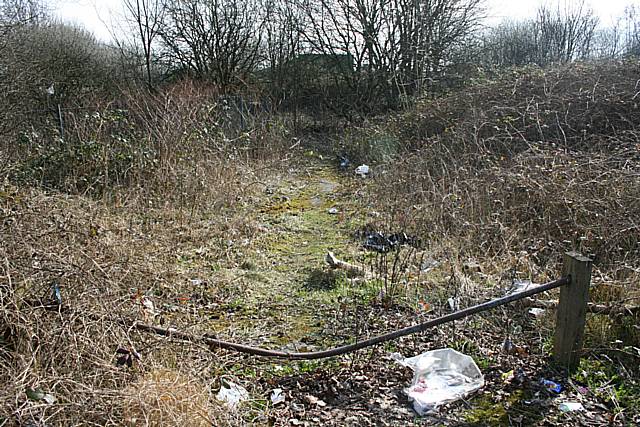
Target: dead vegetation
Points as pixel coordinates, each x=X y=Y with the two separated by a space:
x=106 y=262
x=518 y=168
x=497 y=181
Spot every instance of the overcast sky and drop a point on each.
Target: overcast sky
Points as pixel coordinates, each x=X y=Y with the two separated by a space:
x=93 y=14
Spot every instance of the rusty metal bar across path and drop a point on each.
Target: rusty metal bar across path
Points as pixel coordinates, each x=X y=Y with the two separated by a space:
x=215 y=343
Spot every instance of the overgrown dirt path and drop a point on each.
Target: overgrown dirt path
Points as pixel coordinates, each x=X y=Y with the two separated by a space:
x=254 y=272
x=272 y=288
x=283 y=291
x=282 y=295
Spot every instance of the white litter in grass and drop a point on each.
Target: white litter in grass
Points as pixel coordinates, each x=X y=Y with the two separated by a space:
x=440 y=376
x=233 y=394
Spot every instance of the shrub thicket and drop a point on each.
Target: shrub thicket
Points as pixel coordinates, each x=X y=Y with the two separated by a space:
x=529 y=164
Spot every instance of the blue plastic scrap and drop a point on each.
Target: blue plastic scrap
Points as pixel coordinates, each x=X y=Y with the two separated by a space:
x=56 y=294
x=551 y=385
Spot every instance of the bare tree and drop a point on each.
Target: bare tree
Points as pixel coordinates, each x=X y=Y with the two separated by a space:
x=394 y=45
x=559 y=34
x=214 y=39
x=565 y=34
x=631 y=31
x=282 y=41
x=147 y=17
x=430 y=31
x=510 y=43
x=16 y=12
x=623 y=38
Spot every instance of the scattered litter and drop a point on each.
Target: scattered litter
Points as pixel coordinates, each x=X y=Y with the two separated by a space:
x=277 y=396
x=454 y=304
x=333 y=211
x=518 y=286
x=514 y=376
x=126 y=357
x=344 y=162
x=551 y=385
x=537 y=312
x=56 y=294
x=428 y=265
x=571 y=406
x=39 y=395
x=149 y=307
x=196 y=282
x=424 y=306
x=312 y=400
x=232 y=395
x=440 y=376
x=378 y=242
x=363 y=171
x=507 y=346
x=507 y=377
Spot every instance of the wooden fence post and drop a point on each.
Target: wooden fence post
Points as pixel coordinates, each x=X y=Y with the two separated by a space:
x=572 y=308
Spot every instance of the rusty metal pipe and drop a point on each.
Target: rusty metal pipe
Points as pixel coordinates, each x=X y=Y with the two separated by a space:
x=421 y=327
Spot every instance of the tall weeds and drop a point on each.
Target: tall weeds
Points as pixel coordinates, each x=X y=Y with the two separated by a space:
x=520 y=168
x=178 y=145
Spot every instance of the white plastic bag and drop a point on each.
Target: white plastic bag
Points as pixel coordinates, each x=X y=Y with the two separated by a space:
x=440 y=376
x=233 y=394
x=362 y=170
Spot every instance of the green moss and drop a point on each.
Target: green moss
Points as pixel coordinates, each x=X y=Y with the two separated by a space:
x=292 y=206
x=487 y=412
x=282 y=287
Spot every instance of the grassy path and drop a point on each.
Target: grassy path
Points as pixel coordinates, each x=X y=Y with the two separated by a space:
x=284 y=292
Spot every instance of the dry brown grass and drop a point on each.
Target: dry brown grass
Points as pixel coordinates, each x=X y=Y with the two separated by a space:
x=175 y=146
x=516 y=170
x=164 y=397
x=511 y=172
x=120 y=226
x=104 y=259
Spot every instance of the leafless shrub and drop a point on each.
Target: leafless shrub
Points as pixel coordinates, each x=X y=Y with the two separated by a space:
x=527 y=166
x=43 y=66
x=556 y=35
x=216 y=40
x=183 y=145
